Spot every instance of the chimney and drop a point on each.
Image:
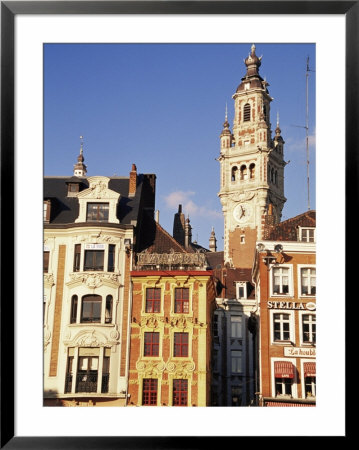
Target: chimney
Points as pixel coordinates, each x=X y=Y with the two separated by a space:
x=133 y=181
x=178 y=226
x=157 y=216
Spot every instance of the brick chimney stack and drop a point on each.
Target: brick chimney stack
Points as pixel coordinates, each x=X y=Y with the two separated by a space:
x=133 y=181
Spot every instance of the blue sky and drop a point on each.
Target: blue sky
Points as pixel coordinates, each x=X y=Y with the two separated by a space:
x=162 y=107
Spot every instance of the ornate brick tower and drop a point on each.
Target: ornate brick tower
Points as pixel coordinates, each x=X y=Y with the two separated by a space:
x=252 y=167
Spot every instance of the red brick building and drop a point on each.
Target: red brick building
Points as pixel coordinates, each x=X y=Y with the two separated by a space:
x=284 y=273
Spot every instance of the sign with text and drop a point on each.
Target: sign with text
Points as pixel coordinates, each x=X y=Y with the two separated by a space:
x=300 y=352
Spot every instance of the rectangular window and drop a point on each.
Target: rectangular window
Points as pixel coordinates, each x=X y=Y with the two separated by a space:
x=181 y=344
x=180 y=392
x=280 y=280
x=283 y=386
x=236 y=361
x=182 y=300
x=153 y=300
x=73 y=317
x=309 y=328
x=152 y=344
x=310 y=387
x=47 y=210
x=97 y=212
x=236 y=326
x=94 y=260
x=46 y=261
x=91 y=309
x=149 y=392
x=307 y=234
x=68 y=378
x=106 y=371
x=111 y=258
x=308 y=281
x=77 y=257
x=87 y=374
x=108 y=310
x=281 y=327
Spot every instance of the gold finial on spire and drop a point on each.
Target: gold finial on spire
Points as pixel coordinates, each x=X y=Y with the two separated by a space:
x=226 y=115
x=81 y=144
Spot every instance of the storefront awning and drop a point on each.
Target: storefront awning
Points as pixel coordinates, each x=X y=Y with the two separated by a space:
x=283 y=369
x=309 y=369
x=287 y=404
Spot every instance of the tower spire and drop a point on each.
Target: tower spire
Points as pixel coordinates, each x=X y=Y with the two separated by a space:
x=80 y=168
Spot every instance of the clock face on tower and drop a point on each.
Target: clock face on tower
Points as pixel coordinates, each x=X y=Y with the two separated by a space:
x=242 y=212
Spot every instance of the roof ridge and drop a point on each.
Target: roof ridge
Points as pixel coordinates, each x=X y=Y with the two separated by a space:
x=171 y=237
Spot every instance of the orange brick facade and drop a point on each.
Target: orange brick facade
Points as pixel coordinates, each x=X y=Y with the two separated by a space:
x=166 y=367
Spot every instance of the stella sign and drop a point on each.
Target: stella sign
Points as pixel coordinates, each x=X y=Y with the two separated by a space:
x=291 y=305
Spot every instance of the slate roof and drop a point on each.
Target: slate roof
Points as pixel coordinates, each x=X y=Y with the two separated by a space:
x=288 y=229
x=65 y=210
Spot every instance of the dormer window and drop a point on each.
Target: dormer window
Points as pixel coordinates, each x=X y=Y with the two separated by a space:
x=241 y=289
x=246 y=86
x=307 y=234
x=47 y=210
x=97 y=212
x=73 y=189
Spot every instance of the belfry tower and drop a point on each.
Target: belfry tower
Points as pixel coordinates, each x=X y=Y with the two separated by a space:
x=252 y=167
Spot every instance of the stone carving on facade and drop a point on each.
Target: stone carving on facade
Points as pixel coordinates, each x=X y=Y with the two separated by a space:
x=183 y=369
x=47 y=337
x=99 y=238
x=94 y=280
x=49 y=280
x=173 y=258
x=242 y=196
x=150 y=367
x=90 y=338
x=151 y=321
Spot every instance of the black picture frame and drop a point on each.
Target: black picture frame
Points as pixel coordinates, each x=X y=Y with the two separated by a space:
x=9 y=9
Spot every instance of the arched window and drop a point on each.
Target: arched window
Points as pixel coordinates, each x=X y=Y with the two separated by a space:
x=252 y=168
x=91 y=309
x=265 y=112
x=247 y=112
x=234 y=173
x=243 y=172
x=108 y=311
x=73 y=317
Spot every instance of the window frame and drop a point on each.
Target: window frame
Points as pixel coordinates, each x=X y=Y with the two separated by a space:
x=80 y=252
x=291 y=314
x=98 y=205
x=235 y=359
x=99 y=301
x=290 y=292
x=300 y=267
x=247 y=110
x=154 y=300
x=152 y=344
x=294 y=381
x=302 y=314
x=181 y=301
x=149 y=391
x=300 y=234
x=304 y=380
x=183 y=382
x=238 y=327
x=181 y=348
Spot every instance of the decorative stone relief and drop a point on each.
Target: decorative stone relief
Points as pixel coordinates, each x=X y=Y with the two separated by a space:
x=98 y=238
x=48 y=280
x=90 y=338
x=94 y=280
x=47 y=338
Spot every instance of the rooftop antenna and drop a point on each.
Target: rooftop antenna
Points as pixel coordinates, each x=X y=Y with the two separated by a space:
x=306 y=127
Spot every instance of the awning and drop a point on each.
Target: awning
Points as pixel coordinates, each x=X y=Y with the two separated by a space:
x=309 y=369
x=283 y=369
x=287 y=404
